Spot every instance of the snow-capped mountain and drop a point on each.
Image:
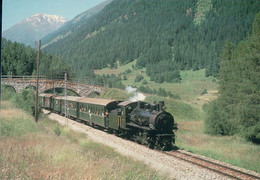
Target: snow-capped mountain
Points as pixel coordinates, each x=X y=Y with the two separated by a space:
x=34 y=28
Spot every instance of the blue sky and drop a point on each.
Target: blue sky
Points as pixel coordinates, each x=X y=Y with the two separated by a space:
x=15 y=11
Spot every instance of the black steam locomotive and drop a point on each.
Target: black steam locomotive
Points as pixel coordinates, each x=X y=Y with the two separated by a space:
x=145 y=123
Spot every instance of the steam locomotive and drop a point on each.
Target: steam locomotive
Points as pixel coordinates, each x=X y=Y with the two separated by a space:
x=145 y=123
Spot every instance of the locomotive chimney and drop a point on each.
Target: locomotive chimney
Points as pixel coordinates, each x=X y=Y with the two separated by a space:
x=161 y=105
x=139 y=105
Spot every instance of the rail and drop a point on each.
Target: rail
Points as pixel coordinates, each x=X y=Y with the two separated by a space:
x=212 y=166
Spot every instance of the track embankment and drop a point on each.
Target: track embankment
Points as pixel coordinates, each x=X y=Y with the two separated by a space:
x=172 y=166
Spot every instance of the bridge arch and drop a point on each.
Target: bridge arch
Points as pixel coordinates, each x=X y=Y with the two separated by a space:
x=10 y=86
x=93 y=94
x=60 y=90
x=30 y=86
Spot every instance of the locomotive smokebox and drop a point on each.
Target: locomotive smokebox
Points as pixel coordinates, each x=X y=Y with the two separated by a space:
x=161 y=105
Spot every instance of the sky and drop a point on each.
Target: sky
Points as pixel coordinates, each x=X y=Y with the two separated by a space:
x=15 y=11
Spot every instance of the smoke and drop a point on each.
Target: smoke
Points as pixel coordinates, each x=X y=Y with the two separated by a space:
x=137 y=95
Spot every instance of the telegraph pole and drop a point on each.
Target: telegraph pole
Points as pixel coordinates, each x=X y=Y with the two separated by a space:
x=37 y=82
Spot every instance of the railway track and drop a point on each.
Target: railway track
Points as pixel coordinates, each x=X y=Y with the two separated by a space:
x=212 y=166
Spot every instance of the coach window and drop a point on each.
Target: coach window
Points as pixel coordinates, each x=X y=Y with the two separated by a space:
x=94 y=109
x=81 y=107
x=100 y=110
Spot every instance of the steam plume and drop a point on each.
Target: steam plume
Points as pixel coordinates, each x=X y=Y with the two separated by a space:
x=137 y=95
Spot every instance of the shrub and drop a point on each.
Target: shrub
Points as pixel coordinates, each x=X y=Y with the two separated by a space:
x=162 y=92
x=204 y=92
x=218 y=120
x=57 y=130
x=144 y=82
x=139 y=78
x=7 y=92
x=26 y=101
x=128 y=71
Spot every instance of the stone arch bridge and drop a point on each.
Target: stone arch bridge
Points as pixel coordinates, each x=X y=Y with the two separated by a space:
x=21 y=83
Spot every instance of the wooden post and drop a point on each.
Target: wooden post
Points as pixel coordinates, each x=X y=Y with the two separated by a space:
x=37 y=83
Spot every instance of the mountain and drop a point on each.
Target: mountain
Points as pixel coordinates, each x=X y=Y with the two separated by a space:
x=163 y=36
x=34 y=28
x=73 y=25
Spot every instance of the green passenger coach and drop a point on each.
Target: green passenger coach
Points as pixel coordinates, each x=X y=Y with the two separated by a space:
x=57 y=103
x=95 y=111
x=46 y=100
x=72 y=105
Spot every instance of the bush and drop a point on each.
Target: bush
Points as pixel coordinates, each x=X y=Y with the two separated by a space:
x=128 y=71
x=162 y=92
x=204 y=92
x=139 y=78
x=144 y=82
x=218 y=121
x=26 y=101
x=111 y=81
x=7 y=92
x=57 y=130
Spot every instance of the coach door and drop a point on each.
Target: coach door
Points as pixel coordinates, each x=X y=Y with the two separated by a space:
x=119 y=121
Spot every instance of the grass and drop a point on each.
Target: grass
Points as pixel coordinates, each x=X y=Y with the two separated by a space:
x=230 y=149
x=117 y=94
x=30 y=151
x=202 y=8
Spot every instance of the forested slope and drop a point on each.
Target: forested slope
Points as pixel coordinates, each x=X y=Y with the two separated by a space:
x=236 y=111
x=163 y=35
x=18 y=59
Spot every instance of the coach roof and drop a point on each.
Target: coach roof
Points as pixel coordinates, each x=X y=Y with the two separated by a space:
x=71 y=98
x=96 y=101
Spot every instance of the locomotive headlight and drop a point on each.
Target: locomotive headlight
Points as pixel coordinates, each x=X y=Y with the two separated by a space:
x=151 y=126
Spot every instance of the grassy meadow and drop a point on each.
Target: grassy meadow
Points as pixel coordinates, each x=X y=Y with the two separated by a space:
x=50 y=151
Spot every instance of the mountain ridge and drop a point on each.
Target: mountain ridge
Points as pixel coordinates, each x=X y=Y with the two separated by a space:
x=34 y=28
x=73 y=24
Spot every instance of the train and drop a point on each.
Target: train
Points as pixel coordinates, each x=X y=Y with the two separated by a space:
x=142 y=122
